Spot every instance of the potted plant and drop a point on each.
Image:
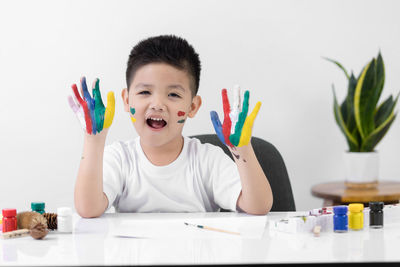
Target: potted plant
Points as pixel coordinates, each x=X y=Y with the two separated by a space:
x=363 y=121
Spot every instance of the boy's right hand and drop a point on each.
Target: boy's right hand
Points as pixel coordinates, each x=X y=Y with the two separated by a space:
x=91 y=113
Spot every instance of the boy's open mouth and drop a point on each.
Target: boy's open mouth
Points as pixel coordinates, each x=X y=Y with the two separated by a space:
x=156 y=123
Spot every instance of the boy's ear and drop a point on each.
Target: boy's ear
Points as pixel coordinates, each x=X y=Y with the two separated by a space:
x=125 y=99
x=194 y=107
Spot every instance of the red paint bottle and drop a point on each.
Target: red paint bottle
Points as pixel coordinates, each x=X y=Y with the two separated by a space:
x=9 y=220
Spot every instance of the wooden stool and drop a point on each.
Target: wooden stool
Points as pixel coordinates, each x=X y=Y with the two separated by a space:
x=336 y=193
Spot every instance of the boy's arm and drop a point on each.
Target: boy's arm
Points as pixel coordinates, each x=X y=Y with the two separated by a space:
x=256 y=195
x=90 y=200
x=95 y=118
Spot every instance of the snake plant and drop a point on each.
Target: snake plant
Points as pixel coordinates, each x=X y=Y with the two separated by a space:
x=363 y=122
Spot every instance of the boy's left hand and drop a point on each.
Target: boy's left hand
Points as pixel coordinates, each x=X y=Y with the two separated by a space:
x=241 y=130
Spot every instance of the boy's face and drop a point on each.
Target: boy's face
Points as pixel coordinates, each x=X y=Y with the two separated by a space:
x=162 y=100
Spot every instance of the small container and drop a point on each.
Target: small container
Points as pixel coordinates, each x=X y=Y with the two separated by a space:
x=356 y=216
x=38 y=207
x=64 y=220
x=340 y=220
x=376 y=214
x=9 y=220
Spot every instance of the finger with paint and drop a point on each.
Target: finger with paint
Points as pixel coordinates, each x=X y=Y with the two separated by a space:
x=78 y=110
x=234 y=114
x=217 y=126
x=86 y=112
x=99 y=108
x=226 y=126
x=110 y=110
x=132 y=110
x=90 y=103
x=248 y=126
x=235 y=138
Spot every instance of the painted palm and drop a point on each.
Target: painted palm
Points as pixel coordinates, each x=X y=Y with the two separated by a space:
x=363 y=122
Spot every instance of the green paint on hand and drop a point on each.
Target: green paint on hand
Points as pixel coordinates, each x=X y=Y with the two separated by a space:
x=133 y=111
x=235 y=138
x=181 y=121
x=99 y=108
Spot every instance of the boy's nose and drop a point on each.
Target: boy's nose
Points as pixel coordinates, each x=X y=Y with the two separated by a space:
x=157 y=104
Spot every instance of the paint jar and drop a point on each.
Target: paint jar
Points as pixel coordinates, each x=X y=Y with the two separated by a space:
x=9 y=220
x=356 y=216
x=38 y=207
x=340 y=220
x=376 y=214
x=64 y=220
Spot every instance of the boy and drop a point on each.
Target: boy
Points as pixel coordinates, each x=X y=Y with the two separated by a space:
x=162 y=171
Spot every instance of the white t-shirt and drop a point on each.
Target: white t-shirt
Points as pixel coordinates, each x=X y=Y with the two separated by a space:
x=203 y=178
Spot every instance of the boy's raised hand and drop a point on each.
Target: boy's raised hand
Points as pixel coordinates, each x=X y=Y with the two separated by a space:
x=236 y=133
x=92 y=114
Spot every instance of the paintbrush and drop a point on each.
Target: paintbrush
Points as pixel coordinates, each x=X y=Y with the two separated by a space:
x=211 y=228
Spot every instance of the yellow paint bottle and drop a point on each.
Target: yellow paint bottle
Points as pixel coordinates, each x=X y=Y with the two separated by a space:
x=356 y=216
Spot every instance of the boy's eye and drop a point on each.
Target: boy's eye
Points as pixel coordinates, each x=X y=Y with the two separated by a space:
x=144 y=93
x=174 y=95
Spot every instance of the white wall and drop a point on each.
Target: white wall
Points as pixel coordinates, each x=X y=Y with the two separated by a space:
x=273 y=48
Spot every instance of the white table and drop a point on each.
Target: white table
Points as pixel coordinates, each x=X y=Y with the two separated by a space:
x=92 y=244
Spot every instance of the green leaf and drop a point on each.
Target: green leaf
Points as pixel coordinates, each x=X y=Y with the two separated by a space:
x=376 y=136
x=380 y=78
x=364 y=100
x=350 y=120
x=384 y=110
x=339 y=65
x=353 y=144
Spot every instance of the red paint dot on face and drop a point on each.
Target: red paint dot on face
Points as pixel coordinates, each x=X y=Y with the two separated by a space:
x=181 y=113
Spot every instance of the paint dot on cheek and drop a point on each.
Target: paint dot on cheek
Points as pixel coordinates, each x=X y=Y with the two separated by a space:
x=181 y=121
x=133 y=111
x=181 y=113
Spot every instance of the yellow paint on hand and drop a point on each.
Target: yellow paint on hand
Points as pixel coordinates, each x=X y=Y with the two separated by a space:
x=248 y=126
x=110 y=110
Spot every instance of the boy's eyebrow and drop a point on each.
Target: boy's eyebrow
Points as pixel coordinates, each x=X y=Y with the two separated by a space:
x=145 y=85
x=176 y=86
x=172 y=86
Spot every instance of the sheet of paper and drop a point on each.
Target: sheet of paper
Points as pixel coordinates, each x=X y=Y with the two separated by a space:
x=249 y=227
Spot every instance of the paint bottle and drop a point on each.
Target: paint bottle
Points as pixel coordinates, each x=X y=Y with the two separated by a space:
x=64 y=220
x=340 y=220
x=356 y=216
x=9 y=220
x=376 y=214
x=38 y=207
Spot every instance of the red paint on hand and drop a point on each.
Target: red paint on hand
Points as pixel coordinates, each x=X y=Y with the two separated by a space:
x=85 y=109
x=226 y=126
x=181 y=113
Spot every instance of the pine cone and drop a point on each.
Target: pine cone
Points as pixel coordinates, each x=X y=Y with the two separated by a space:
x=51 y=220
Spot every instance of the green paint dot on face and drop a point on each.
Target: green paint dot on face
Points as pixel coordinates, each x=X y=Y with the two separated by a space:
x=133 y=111
x=181 y=121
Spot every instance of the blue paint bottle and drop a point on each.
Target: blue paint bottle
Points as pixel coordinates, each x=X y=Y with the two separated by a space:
x=340 y=220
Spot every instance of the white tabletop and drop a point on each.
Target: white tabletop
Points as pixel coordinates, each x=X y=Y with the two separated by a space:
x=92 y=243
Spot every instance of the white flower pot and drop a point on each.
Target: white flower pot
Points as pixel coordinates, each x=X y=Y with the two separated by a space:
x=361 y=169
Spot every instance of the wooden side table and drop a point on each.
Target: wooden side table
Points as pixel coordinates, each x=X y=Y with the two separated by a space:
x=336 y=193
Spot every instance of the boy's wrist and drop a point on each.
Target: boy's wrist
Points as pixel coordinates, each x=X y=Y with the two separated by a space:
x=98 y=138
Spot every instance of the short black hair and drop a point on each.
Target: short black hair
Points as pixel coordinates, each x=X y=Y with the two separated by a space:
x=168 y=49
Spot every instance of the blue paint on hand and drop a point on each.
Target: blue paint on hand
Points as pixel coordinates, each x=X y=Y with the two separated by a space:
x=91 y=104
x=217 y=126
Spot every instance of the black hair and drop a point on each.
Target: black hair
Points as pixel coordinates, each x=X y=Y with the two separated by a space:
x=168 y=49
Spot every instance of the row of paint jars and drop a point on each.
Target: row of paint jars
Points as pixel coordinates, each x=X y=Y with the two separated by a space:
x=352 y=216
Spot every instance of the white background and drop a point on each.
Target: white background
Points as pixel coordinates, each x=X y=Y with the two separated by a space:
x=273 y=48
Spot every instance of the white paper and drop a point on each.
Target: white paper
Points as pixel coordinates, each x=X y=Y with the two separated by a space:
x=249 y=227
